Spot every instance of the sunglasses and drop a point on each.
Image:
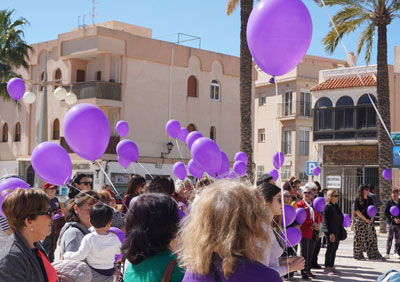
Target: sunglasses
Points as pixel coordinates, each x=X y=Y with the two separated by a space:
x=85 y=183
x=306 y=192
x=48 y=213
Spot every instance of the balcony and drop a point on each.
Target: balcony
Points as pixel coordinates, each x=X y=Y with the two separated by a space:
x=97 y=89
x=111 y=148
x=293 y=110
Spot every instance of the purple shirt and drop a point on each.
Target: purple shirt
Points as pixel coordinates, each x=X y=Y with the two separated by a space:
x=245 y=270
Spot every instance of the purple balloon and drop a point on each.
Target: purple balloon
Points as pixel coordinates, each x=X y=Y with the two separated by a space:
x=179 y=170
x=121 y=237
x=278 y=159
x=58 y=171
x=193 y=136
x=231 y=175
x=207 y=154
x=16 y=88
x=225 y=165
x=274 y=173
x=123 y=162
x=291 y=237
x=183 y=134
x=387 y=174
x=289 y=213
x=346 y=220
x=319 y=204
x=394 y=211
x=195 y=170
x=317 y=171
x=122 y=128
x=278 y=35
x=57 y=216
x=371 y=211
x=301 y=216
x=128 y=150
x=173 y=128
x=241 y=156
x=87 y=131
x=240 y=168
x=10 y=184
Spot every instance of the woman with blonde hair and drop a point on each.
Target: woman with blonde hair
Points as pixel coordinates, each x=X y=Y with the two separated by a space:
x=223 y=238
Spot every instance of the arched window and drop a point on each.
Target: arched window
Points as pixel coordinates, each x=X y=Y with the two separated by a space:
x=344 y=113
x=323 y=114
x=56 y=129
x=366 y=115
x=191 y=127
x=17 y=136
x=5 y=133
x=215 y=90
x=213 y=135
x=57 y=76
x=41 y=79
x=192 y=86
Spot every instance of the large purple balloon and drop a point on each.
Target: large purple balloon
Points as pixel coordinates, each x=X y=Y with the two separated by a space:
x=394 y=211
x=279 y=34
x=52 y=163
x=195 y=170
x=317 y=171
x=183 y=134
x=179 y=170
x=225 y=165
x=241 y=156
x=290 y=215
x=173 y=128
x=128 y=150
x=122 y=128
x=387 y=174
x=346 y=220
x=274 y=173
x=278 y=159
x=371 y=211
x=123 y=162
x=301 y=216
x=16 y=88
x=206 y=153
x=319 y=204
x=193 y=136
x=240 y=168
x=87 y=131
x=10 y=184
x=292 y=237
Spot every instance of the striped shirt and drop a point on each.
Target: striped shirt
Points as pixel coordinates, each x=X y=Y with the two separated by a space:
x=3 y=223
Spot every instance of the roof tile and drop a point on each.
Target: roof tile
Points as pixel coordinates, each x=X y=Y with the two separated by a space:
x=345 y=82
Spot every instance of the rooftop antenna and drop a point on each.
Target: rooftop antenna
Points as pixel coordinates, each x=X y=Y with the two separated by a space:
x=93 y=14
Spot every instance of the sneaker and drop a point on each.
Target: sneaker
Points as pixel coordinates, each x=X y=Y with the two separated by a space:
x=310 y=274
x=397 y=256
x=387 y=256
x=329 y=271
x=336 y=271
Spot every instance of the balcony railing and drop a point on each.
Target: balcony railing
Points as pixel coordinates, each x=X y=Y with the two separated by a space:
x=97 y=89
x=293 y=109
x=111 y=148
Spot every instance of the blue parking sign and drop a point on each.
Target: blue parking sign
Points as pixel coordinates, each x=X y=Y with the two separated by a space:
x=310 y=167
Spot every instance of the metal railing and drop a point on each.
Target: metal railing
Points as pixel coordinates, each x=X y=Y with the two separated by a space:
x=96 y=89
x=294 y=109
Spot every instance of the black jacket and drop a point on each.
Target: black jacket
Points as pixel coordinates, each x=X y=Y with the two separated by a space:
x=332 y=222
x=389 y=216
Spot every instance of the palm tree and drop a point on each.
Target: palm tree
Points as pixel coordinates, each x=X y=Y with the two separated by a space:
x=371 y=15
x=13 y=49
x=246 y=68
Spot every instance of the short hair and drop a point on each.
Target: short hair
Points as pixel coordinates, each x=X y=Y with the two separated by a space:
x=204 y=181
x=135 y=182
x=24 y=203
x=105 y=196
x=309 y=185
x=100 y=215
x=395 y=190
x=162 y=184
x=180 y=184
x=87 y=197
x=151 y=224
x=268 y=191
x=296 y=181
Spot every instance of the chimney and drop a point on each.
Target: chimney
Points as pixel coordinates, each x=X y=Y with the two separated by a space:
x=351 y=59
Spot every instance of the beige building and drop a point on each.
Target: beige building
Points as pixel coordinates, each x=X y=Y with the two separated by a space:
x=131 y=76
x=283 y=122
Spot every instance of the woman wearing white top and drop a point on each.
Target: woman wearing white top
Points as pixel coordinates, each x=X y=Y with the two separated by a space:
x=273 y=198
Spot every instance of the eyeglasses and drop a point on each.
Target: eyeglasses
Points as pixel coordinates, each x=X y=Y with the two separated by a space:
x=85 y=183
x=48 y=213
x=306 y=192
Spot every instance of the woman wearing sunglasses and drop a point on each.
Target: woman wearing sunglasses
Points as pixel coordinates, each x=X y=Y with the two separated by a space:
x=22 y=258
x=80 y=182
x=332 y=226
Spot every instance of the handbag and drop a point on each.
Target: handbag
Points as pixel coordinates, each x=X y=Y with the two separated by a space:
x=168 y=271
x=343 y=235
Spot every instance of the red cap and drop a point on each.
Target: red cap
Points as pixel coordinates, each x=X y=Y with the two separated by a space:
x=48 y=185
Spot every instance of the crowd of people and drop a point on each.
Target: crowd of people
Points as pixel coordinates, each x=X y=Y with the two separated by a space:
x=182 y=231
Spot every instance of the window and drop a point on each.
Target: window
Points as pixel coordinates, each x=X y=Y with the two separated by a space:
x=260 y=171
x=17 y=136
x=304 y=142
x=288 y=103
x=191 y=127
x=215 y=91
x=263 y=100
x=287 y=142
x=366 y=115
x=285 y=173
x=303 y=176
x=80 y=75
x=57 y=76
x=56 y=129
x=261 y=135
x=213 y=133
x=41 y=79
x=192 y=86
x=5 y=133
x=98 y=75
x=323 y=114
x=305 y=104
x=344 y=113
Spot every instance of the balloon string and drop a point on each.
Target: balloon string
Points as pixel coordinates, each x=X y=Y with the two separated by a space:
x=83 y=192
x=179 y=149
x=145 y=170
x=112 y=185
x=133 y=167
x=284 y=239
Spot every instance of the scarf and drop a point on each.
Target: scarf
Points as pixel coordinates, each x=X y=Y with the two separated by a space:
x=311 y=210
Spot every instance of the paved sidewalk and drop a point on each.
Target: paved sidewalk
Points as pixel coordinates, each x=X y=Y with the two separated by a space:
x=355 y=270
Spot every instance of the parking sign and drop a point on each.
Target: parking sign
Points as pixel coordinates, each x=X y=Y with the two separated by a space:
x=310 y=167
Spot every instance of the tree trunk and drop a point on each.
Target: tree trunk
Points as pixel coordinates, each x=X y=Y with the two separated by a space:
x=384 y=141
x=246 y=65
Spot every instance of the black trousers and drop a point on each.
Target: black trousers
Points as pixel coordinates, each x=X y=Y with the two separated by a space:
x=307 y=251
x=316 y=252
x=330 y=254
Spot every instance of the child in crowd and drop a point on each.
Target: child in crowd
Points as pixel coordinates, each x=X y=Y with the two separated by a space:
x=100 y=247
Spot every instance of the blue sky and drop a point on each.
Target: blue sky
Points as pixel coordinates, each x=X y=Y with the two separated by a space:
x=203 y=18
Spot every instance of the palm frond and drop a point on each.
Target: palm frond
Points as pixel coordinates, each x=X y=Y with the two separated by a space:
x=231 y=6
x=366 y=40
